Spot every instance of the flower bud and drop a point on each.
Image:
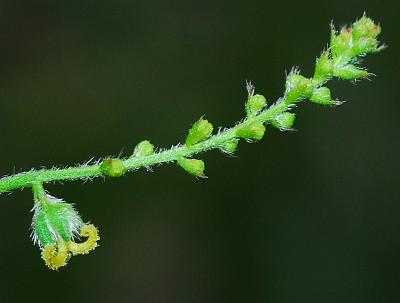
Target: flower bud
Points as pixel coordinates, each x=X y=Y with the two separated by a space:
x=284 y=121
x=143 y=149
x=113 y=167
x=255 y=104
x=297 y=87
x=254 y=131
x=200 y=130
x=192 y=166
x=365 y=28
x=322 y=96
x=365 y=46
x=350 y=72
x=343 y=41
x=230 y=146
x=323 y=67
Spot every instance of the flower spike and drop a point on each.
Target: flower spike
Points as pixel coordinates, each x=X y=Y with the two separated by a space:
x=56 y=224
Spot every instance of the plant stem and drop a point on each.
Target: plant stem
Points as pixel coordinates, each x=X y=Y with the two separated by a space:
x=29 y=179
x=339 y=60
x=38 y=192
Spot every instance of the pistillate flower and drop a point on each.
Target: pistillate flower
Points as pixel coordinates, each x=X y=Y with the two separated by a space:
x=55 y=226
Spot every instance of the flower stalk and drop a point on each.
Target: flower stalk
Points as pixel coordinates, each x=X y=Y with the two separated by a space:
x=56 y=224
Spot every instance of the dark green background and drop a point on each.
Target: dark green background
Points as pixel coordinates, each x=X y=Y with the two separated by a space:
x=307 y=216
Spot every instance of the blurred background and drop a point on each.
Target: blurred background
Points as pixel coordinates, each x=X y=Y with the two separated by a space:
x=306 y=216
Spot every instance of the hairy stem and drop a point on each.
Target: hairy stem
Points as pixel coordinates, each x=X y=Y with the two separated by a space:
x=340 y=60
x=29 y=179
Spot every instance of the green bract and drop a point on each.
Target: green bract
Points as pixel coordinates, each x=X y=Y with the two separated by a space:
x=201 y=130
x=229 y=147
x=143 y=149
x=297 y=87
x=253 y=131
x=323 y=68
x=350 y=72
x=322 y=95
x=284 y=121
x=54 y=220
x=365 y=28
x=192 y=166
x=255 y=104
x=113 y=167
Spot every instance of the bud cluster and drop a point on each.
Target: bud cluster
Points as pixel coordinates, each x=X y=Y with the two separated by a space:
x=350 y=42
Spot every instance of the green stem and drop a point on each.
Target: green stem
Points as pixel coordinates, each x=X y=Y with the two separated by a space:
x=38 y=192
x=350 y=43
x=32 y=178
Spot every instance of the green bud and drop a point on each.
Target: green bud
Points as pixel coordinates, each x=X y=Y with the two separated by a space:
x=365 y=28
x=350 y=72
x=143 y=149
x=284 y=121
x=297 y=87
x=113 y=167
x=341 y=43
x=192 y=166
x=230 y=146
x=200 y=130
x=255 y=104
x=54 y=220
x=365 y=46
x=254 y=131
x=323 y=67
x=322 y=96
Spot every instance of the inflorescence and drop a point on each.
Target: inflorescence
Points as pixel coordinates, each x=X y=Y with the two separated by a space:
x=56 y=224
